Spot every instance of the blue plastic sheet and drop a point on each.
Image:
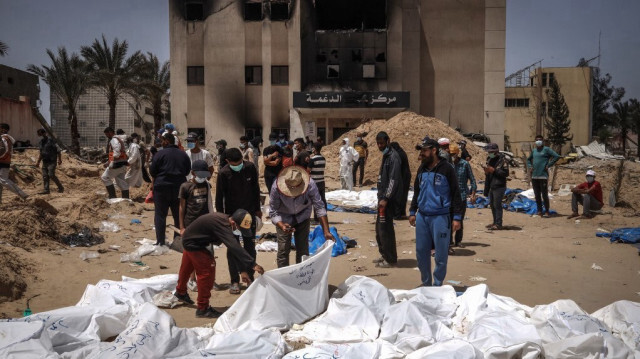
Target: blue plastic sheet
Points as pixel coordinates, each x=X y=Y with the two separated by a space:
x=626 y=235
x=523 y=204
x=481 y=202
x=316 y=240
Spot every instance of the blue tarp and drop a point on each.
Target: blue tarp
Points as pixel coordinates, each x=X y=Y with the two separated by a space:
x=519 y=203
x=626 y=235
x=481 y=202
x=316 y=239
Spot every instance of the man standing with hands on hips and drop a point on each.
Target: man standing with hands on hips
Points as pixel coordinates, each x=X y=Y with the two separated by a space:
x=436 y=197
x=539 y=161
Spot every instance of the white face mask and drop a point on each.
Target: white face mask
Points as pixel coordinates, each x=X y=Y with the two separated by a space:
x=539 y=143
x=590 y=179
x=200 y=180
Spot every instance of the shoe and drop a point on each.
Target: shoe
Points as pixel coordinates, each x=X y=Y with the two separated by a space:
x=573 y=215
x=539 y=214
x=61 y=190
x=385 y=264
x=378 y=260
x=585 y=216
x=235 y=288
x=184 y=298
x=216 y=287
x=44 y=192
x=452 y=251
x=459 y=245
x=545 y=215
x=495 y=227
x=208 y=313
x=192 y=285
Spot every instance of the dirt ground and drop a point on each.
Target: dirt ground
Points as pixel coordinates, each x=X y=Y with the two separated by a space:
x=537 y=261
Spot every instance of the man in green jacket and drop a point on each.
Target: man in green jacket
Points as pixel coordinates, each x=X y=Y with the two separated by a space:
x=539 y=161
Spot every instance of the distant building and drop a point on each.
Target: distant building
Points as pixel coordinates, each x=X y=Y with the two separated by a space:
x=93 y=118
x=526 y=104
x=19 y=94
x=321 y=67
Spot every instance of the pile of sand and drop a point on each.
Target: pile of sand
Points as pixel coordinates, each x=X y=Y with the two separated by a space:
x=408 y=129
x=13 y=271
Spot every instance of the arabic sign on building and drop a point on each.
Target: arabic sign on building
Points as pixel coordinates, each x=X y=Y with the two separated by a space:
x=351 y=99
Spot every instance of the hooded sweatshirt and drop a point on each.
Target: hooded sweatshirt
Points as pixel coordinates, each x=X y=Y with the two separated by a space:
x=436 y=192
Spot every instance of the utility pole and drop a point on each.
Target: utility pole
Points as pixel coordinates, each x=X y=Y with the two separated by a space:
x=539 y=113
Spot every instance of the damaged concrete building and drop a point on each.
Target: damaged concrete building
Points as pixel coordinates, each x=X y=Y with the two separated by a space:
x=321 y=67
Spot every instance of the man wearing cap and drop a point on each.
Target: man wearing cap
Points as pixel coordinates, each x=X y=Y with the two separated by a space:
x=444 y=149
x=116 y=166
x=348 y=156
x=390 y=189
x=169 y=169
x=539 y=161
x=238 y=187
x=196 y=153
x=436 y=211
x=589 y=195
x=293 y=196
x=464 y=154
x=221 y=145
x=272 y=158
x=282 y=140
x=212 y=228
x=495 y=184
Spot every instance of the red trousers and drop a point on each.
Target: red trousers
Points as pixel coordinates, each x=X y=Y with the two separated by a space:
x=205 y=266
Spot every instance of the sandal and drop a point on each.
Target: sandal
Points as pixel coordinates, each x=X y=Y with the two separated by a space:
x=235 y=288
x=452 y=251
x=495 y=227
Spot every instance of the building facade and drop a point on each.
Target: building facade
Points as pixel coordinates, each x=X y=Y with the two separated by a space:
x=321 y=67
x=526 y=104
x=15 y=83
x=93 y=117
x=19 y=95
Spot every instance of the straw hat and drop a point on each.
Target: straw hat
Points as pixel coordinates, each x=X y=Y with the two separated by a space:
x=293 y=181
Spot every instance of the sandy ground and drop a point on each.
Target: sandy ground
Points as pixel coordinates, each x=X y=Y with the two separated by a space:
x=536 y=262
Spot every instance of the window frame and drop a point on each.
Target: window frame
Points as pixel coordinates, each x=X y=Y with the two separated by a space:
x=247 y=81
x=280 y=70
x=195 y=78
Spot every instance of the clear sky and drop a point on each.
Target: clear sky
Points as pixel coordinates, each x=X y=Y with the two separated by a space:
x=559 y=32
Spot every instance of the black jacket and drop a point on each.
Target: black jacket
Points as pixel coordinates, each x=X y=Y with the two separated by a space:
x=404 y=165
x=235 y=190
x=497 y=179
x=390 y=181
x=170 y=167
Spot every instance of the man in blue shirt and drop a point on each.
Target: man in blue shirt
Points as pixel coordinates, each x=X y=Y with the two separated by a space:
x=436 y=196
x=539 y=161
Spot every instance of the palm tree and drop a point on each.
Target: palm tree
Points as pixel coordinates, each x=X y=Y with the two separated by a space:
x=154 y=87
x=112 y=71
x=622 y=115
x=67 y=79
x=3 y=49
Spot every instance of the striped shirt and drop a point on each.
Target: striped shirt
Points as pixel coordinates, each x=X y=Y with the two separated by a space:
x=317 y=165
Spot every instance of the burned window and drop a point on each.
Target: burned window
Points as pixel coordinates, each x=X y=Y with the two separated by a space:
x=381 y=57
x=368 y=71
x=352 y=14
x=279 y=75
x=253 y=75
x=194 y=10
x=280 y=10
x=333 y=71
x=195 y=75
x=253 y=10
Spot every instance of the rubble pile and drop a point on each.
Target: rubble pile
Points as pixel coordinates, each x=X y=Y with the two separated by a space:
x=408 y=129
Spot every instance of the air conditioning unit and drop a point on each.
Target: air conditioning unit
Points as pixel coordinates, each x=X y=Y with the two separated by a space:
x=369 y=71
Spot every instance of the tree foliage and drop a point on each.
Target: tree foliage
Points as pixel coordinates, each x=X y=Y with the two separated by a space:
x=111 y=71
x=558 y=123
x=4 y=48
x=67 y=79
x=154 y=87
x=604 y=95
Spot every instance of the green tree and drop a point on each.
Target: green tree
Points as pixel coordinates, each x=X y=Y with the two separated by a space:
x=623 y=117
x=4 y=48
x=154 y=87
x=558 y=123
x=67 y=79
x=604 y=95
x=112 y=71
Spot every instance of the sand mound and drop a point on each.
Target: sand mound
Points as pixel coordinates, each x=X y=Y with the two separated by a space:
x=29 y=226
x=408 y=129
x=12 y=272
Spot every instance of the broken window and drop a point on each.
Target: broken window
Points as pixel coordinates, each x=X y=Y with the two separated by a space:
x=333 y=71
x=279 y=10
x=194 y=10
x=195 y=75
x=352 y=14
x=544 y=79
x=381 y=57
x=253 y=10
x=321 y=57
x=279 y=75
x=253 y=75
x=356 y=55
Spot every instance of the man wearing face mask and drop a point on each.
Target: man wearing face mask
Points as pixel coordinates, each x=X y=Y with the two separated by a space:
x=247 y=151
x=238 y=187
x=196 y=153
x=49 y=153
x=495 y=184
x=195 y=195
x=539 y=161
x=221 y=145
x=436 y=211
x=589 y=195
x=348 y=156
x=272 y=158
x=390 y=189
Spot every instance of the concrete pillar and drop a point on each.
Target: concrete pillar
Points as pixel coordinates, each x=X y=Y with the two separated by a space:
x=295 y=76
x=266 y=80
x=494 y=67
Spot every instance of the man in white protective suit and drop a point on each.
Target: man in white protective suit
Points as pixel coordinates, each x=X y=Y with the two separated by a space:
x=348 y=156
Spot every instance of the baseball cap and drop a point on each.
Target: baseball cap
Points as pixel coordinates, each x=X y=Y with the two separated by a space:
x=492 y=147
x=427 y=142
x=221 y=142
x=192 y=136
x=272 y=136
x=243 y=221
x=591 y=173
x=201 y=169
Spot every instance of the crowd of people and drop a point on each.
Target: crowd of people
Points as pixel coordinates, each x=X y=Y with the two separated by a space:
x=179 y=180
